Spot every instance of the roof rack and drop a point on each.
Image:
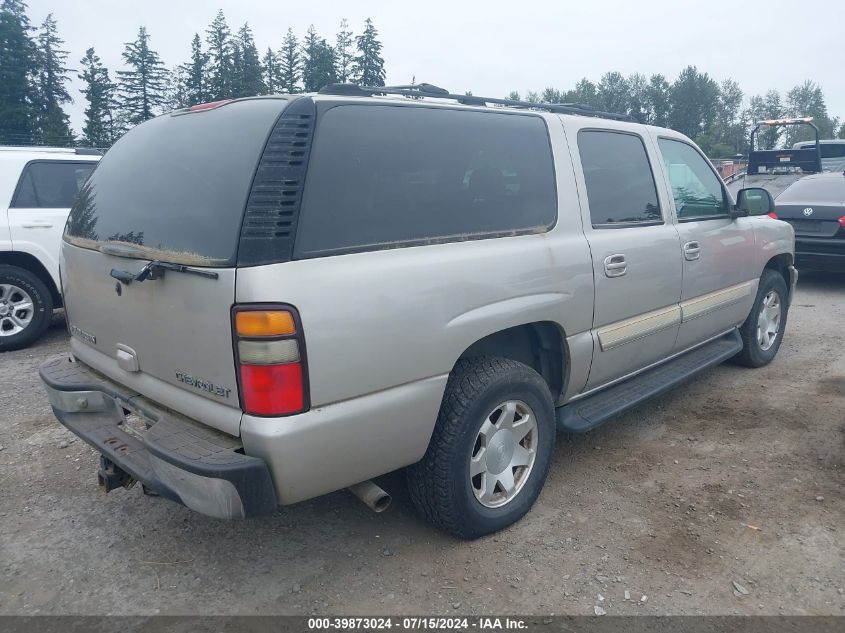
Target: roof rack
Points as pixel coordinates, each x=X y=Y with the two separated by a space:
x=418 y=91
x=79 y=151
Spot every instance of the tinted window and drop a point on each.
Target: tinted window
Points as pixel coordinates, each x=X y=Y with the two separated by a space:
x=697 y=190
x=51 y=185
x=620 y=185
x=385 y=176
x=175 y=187
x=829 y=150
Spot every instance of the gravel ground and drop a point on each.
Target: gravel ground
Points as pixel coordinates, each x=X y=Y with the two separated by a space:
x=722 y=497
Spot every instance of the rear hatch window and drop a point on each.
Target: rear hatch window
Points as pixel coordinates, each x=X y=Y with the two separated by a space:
x=175 y=188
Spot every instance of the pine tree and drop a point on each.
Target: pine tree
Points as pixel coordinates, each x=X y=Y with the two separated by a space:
x=585 y=93
x=766 y=107
x=272 y=72
x=18 y=69
x=730 y=132
x=219 y=39
x=612 y=93
x=143 y=87
x=237 y=68
x=658 y=100
x=177 y=89
x=247 y=79
x=195 y=74
x=807 y=99
x=694 y=102
x=291 y=64
x=344 y=57
x=369 y=65
x=551 y=95
x=99 y=91
x=637 y=101
x=318 y=62
x=54 y=123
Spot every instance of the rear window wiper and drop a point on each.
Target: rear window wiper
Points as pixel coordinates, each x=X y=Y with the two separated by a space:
x=156 y=270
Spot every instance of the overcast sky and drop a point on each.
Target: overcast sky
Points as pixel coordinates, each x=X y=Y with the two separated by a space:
x=493 y=46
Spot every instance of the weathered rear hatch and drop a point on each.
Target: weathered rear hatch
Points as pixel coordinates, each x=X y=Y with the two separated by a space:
x=174 y=190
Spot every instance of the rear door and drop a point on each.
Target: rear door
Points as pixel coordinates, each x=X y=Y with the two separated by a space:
x=635 y=253
x=174 y=190
x=717 y=252
x=43 y=197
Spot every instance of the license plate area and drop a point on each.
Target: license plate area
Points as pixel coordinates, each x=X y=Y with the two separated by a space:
x=806 y=226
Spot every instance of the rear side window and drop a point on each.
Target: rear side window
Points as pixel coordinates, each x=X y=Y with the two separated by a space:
x=388 y=176
x=51 y=185
x=697 y=190
x=620 y=184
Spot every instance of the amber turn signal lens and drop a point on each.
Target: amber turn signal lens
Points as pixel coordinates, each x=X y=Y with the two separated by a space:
x=264 y=323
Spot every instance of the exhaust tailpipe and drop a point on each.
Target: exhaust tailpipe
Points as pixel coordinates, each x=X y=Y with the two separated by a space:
x=371 y=494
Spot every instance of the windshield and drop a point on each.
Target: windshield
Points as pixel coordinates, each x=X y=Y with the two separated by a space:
x=175 y=187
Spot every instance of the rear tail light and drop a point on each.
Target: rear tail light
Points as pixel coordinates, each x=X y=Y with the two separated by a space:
x=773 y=215
x=270 y=352
x=842 y=221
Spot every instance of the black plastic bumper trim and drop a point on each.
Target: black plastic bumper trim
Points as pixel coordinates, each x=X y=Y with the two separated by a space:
x=183 y=443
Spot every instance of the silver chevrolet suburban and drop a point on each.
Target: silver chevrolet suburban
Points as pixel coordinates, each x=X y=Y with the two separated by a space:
x=274 y=298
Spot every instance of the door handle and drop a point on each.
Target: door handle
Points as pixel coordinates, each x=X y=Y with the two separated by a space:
x=37 y=224
x=692 y=251
x=615 y=265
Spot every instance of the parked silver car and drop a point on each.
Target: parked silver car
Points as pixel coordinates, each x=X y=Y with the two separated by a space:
x=274 y=298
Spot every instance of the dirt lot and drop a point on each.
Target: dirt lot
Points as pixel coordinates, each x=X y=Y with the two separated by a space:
x=737 y=477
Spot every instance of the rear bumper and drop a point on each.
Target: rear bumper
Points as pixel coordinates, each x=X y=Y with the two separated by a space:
x=173 y=456
x=820 y=254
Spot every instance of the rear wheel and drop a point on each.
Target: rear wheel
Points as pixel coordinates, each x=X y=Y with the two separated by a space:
x=490 y=450
x=26 y=308
x=762 y=331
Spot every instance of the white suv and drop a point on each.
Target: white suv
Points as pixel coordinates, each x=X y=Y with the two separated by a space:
x=38 y=185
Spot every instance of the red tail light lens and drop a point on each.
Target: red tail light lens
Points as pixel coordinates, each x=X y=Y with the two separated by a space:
x=842 y=221
x=270 y=352
x=272 y=389
x=773 y=215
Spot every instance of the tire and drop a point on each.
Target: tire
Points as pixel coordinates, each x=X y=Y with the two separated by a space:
x=758 y=351
x=477 y=397
x=19 y=328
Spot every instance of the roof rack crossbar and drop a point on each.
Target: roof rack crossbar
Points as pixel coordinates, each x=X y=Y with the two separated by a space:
x=435 y=92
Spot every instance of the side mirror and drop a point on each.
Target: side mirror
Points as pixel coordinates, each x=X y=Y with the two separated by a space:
x=753 y=201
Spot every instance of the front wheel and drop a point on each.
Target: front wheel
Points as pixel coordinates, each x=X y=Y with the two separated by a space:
x=490 y=451
x=763 y=330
